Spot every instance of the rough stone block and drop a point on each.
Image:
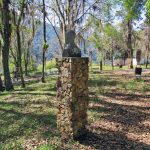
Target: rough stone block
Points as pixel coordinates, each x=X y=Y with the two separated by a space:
x=72 y=97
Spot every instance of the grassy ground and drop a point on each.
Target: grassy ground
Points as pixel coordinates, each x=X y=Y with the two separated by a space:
x=109 y=67
x=119 y=114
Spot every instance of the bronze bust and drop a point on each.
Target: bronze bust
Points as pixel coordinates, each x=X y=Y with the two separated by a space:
x=71 y=49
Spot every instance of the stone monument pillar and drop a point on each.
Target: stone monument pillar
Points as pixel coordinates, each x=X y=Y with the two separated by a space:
x=72 y=96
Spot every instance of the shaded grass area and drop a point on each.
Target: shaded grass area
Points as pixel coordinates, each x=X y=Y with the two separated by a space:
x=101 y=84
x=28 y=116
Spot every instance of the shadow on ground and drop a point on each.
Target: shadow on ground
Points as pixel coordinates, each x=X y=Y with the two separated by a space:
x=108 y=140
x=120 y=126
x=15 y=122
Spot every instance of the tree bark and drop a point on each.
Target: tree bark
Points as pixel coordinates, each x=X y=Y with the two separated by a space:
x=26 y=62
x=147 y=61
x=27 y=58
x=1 y=85
x=129 y=43
x=44 y=34
x=147 y=45
x=101 y=65
x=112 y=64
x=6 y=46
x=112 y=60
x=19 y=57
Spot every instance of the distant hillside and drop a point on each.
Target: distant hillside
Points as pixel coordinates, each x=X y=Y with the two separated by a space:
x=54 y=46
x=51 y=40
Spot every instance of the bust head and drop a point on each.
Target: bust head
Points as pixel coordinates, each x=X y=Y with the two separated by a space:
x=70 y=36
x=71 y=49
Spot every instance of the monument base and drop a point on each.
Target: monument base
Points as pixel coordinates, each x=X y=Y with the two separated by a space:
x=72 y=94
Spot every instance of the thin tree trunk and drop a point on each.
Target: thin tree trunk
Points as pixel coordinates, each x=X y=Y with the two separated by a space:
x=129 y=44
x=44 y=33
x=33 y=26
x=19 y=57
x=148 y=47
x=26 y=62
x=27 y=56
x=147 y=61
x=101 y=65
x=112 y=61
x=104 y=60
x=12 y=53
x=26 y=69
x=1 y=85
x=26 y=59
x=112 y=64
x=6 y=47
x=124 y=59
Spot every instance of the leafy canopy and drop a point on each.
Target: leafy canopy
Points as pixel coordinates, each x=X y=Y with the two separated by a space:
x=133 y=8
x=148 y=10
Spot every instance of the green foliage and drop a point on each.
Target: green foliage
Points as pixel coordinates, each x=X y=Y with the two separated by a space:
x=47 y=147
x=134 y=85
x=49 y=65
x=11 y=67
x=111 y=31
x=131 y=85
x=148 y=11
x=133 y=8
x=45 y=46
x=39 y=68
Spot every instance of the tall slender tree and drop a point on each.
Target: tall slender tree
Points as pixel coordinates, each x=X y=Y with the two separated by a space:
x=45 y=46
x=18 y=26
x=147 y=43
x=133 y=9
x=6 y=34
x=147 y=31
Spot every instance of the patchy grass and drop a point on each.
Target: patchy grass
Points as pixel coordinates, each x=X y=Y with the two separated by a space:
x=118 y=115
x=119 y=112
x=109 y=67
x=28 y=115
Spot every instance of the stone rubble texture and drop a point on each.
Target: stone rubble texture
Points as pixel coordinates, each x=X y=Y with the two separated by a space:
x=72 y=94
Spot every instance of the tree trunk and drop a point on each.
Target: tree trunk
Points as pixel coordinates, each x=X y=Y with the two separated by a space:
x=104 y=60
x=26 y=59
x=19 y=57
x=1 y=84
x=112 y=64
x=6 y=46
x=112 y=61
x=147 y=61
x=101 y=65
x=148 y=47
x=129 y=43
x=26 y=69
x=124 y=60
x=44 y=34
